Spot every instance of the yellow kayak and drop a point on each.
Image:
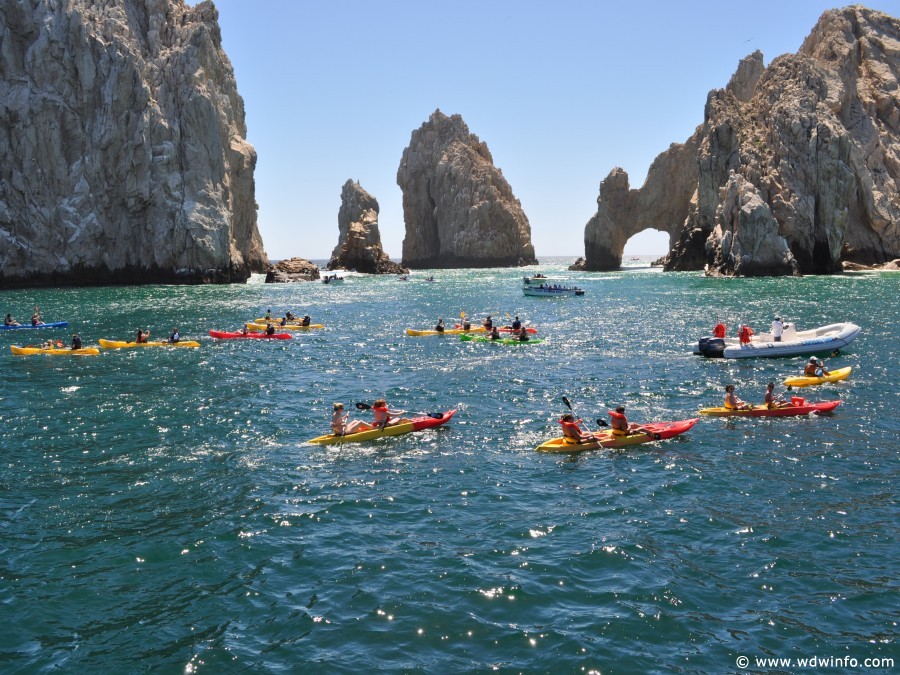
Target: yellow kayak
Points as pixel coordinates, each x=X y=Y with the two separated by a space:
x=833 y=376
x=29 y=351
x=258 y=327
x=117 y=344
x=412 y=424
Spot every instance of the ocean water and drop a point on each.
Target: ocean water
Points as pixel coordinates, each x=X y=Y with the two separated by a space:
x=162 y=512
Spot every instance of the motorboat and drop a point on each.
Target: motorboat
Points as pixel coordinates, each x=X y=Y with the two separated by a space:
x=545 y=290
x=821 y=340
x=332 y=279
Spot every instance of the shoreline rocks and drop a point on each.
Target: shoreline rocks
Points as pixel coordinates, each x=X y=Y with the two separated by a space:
x=292 y=270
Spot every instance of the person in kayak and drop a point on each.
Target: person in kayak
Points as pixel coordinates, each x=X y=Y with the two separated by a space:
x=732 y=402
x=771 y=400
x=36 y=319
x=383 y=415
x=572 y=431
x=174 y=336
x=466 y=324
x=440 y=326
x=9 y=321
x=268 y=316
x=290 y=316
x=719 y=330
x=815 y=368
x=142 y=336
x=488 y=324
x=340 y=425
x=516 y=325
x=306 y=320
x=495 y=333
x=270 y=329
x=620 y=425
x=523 y=336
x=76 y=341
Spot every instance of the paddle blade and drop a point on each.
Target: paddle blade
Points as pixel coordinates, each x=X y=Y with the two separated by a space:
x=602 y=422
x=363 y=406
x=565 y=399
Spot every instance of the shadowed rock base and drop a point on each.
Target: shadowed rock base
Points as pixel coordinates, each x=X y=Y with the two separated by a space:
x=127 y=276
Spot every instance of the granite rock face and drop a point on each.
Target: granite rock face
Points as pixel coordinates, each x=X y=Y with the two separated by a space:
x=294 y=269
x=815 y=138
x=122 y=146
x=458 y=208
x=359 y=241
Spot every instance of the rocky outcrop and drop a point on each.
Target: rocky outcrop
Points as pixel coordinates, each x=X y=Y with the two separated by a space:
x=359 y=242
x=122 y=146
x=815 y=138
x=294 y=269
x=458 y=208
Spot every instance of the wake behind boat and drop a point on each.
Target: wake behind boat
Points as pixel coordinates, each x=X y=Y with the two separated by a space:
x=822 y=340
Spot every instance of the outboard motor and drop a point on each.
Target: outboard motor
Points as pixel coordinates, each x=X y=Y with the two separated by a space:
x=712 y=347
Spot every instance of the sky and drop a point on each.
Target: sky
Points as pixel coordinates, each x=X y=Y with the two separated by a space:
x=562 y=92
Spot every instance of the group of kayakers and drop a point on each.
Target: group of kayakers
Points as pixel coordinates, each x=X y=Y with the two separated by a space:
x=382 y=416
x=492 y=331
x=288 y=318
x=619 y=424
x=35 y=319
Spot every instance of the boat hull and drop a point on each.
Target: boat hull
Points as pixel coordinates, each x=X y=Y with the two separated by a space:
x=228 y=335
x=762 y=411
x=31 y=351
x=657 y=431
x=803 y=381
x=822 y=340
x=55 y=324
x=415 y=424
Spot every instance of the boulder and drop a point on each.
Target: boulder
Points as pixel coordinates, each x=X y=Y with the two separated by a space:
x=359 y=241
x=123 y=152
x=458 y=208
x=294 y=269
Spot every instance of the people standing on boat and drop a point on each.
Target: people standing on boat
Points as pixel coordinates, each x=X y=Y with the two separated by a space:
x=440 y=326
x=777 y=329
x=719 y=330
x=174 y=336
x=732 y=402
x=9 y=321
x=572 y=431
x=340 y=425
x=744 y=334
x=771 y=400
x=76 y=341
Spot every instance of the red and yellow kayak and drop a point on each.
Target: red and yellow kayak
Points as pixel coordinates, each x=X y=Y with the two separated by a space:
x=657 y=431
x=414 y=424
x=798 y=406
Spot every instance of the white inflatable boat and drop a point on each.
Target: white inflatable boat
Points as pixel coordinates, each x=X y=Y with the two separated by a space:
x=822 y=340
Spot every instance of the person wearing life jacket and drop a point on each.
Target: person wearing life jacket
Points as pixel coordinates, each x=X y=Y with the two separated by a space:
x=719 y=330
x=572 y=431
x=174 y=336
x=268 y=316
x=815 y=368
x=732 y=402
x=744 y=334
x=771 y=400
x=619 y=423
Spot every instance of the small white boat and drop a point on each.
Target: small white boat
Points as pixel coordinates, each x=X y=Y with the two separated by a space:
x=550 y=290
x=332 y=279
x=822 y=340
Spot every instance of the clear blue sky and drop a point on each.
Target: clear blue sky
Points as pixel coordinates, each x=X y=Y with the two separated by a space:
x=561 y=92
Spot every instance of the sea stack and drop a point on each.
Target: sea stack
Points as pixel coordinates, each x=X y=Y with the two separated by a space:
x=458 y=208
x=795 y=169
x=359 y=241
x=123 y=152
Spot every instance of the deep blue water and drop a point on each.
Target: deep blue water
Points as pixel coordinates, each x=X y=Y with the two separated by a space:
x=162 y=512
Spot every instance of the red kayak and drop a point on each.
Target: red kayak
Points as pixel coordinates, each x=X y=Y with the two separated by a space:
x=799 y=406
x=657 y=431
x=225 y=335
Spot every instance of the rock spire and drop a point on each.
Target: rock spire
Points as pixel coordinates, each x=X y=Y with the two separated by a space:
x=458 y=208
x=123 y=152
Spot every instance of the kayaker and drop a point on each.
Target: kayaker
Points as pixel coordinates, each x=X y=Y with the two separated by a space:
x=306 y=320
x=383 y=414
x=9 y=321
x=719 y=330
x=340 y=425
x=142 y=336
x=744 y=334
x=174 y=336
x=572 y=431
x=495 y=333
x=290 y=316
x=523 y=336
x=516 y=325
x=488 y=323
x=771 y=400
x=440 y=326
x=268 y=316
x=620 y=425
x=36 y=319
x=815 y=368
x=283 y=321
x=732 y=402
x=76 y=341
x=466 y=324
x=270 y=329
x=244 y=330
x=777 y=329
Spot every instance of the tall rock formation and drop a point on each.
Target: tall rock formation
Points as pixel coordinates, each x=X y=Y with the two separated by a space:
x=122 y=146
x=359 y=242
x=794 y=167
x=458 y=208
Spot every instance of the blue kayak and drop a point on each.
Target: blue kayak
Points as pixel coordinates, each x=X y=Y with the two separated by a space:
x=55 y=324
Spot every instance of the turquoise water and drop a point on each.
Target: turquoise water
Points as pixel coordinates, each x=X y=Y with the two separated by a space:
x=162 y=512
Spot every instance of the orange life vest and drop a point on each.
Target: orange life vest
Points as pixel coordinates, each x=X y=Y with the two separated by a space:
x=719 y=330
x=619 y=417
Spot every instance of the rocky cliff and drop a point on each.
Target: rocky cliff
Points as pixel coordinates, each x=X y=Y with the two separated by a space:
x=359 y=241
x=458 y=208
x=795 y=167
x=122 y=146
